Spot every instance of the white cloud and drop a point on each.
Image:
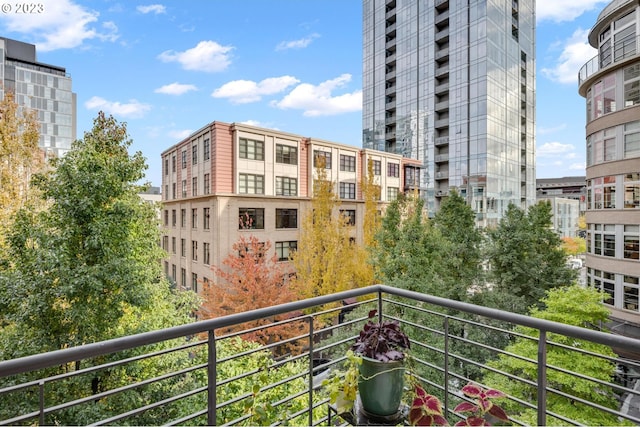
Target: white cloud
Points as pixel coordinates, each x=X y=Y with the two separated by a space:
x=319 y=101
x=152 y=8
x=63 y=25
x=133 y=108
x=546 y=131
x=175 y=89
x=552 y=149
x=578 y=166
x=246 y=91
x=258 y=124
x=180 y=134
x=565 y=10
x=575 y=54
x=207 y=56
x=297 y=44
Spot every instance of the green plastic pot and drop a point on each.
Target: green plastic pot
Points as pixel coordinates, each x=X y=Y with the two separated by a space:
x=380 y=386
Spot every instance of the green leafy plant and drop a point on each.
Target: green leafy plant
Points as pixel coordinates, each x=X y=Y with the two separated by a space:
x=342 y=385
x=383 y=341
x=426 y=409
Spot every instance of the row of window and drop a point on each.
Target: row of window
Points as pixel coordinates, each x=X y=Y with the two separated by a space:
x=206 y=187
x=249 y=183
x=615 y=241
x=621 y=290
x=614 y=143
x=206 y=155
x=183 y=277
x=614 y=192
x=605 y=97
x=206 y=218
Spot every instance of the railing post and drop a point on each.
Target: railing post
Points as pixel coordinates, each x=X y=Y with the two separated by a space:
x=41 y=417
x=212 y=380
x=446 y=365
x=542 y=378
x=380 y=305
x=310 y=319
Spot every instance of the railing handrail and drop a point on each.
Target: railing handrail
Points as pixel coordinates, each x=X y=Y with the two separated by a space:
x=59 y=357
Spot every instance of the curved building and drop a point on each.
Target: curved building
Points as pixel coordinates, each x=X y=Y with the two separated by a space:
x=610 y=84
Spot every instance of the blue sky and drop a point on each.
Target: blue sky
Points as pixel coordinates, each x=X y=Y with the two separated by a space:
x=167 y=68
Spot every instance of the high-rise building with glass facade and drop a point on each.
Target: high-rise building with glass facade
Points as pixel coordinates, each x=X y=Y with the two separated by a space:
x=43 y=88
x=452 y=84
x=610 y=84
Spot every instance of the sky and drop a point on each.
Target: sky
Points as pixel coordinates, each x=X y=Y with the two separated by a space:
x=167 y=68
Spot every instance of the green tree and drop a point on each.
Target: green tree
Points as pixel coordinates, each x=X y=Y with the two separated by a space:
x=88 y=267
x=572 y=305
x=526 y=259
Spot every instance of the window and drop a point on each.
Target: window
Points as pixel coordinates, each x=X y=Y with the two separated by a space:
x=377 y=167
x=166 y=192
x=286 y=218
x=251 y=184
x=183 y=248
x=604 y=240
x=347 y=190
x=173 y=163
x=173 y=190
x=285 y=249
x=349 y=215
x=194 y=250
x=206 y=150
x=320 y=157
x=632 y=242
x=166 y=217
x=194 y=154
x=205 y=218
x=194 y=186
x=206 y=253
x=624 y=41
x=392 y=193
x=184 y=159
x=632 y=191
x=250 y=149
x=184 y=188
x=251 y=218
x=393 y=169
x=632 y=85
x=411 y=176
x=165 y=243
x=194 y=218
x=183 y=218
x=166 y=165
x=630 y=294
x=183 y=278
x=173 y=245
x=286 y=154
x=347 y=163
x=286 y=186
x=604 y=193
x=632 y=140
x=207 y=183
x=173 y=217
x=173 y=272
x=194 y=282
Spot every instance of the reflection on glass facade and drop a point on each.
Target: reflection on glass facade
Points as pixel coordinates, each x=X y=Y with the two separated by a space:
x=454 y=86
x=43 y=88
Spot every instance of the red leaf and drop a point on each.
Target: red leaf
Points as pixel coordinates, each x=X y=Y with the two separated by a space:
x=476 y=421
x=472 y=390
x=498 y=412
x=461 y=423
x=414 y=415
x=439 y=420
x=420 y=391
x=493 y=394
x=465 y=407
x=433 y=406
x=485 y=405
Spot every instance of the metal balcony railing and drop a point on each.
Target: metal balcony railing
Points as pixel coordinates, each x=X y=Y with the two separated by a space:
x=205 y=375
x=621 y=52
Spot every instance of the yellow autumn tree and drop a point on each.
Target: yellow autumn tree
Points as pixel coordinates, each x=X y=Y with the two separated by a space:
x=371 y=224
x=327 y=259
x=20 y=157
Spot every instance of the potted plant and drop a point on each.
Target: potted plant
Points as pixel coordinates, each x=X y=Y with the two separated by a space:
x=382 y=347
x=342 y=385
x=426 y=409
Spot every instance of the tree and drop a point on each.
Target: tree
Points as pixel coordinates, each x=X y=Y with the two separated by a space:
x=88 y=268
x=250 y=280
x=456 y=222
x=20 y=157
x=526 y=259
x=574 y=245
x=572 y=305
x=327 y=261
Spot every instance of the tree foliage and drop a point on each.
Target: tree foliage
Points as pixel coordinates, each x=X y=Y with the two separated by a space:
x=572 y=305
x=526 y=259
x=574 y=245
x=327 y=261
x=249 y=280
x=20 y=157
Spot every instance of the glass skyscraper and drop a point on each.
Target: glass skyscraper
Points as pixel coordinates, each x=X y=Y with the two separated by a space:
x=43 y=88
x=452 y=84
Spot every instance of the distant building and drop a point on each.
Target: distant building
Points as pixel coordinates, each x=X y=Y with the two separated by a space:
x=568 y=197
x=452 y=84
x=43 y=88
x=610 y=85
x=153 y=194
x=224 y=173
